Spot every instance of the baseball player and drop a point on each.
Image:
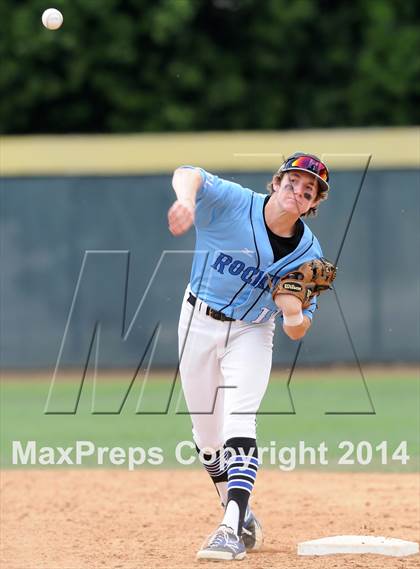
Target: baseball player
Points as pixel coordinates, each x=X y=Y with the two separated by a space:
x=253 y=261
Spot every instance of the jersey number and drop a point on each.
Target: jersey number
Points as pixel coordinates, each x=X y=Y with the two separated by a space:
x=261 y=316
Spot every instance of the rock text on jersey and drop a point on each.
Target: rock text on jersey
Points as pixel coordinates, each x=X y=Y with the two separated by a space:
x=251 y=275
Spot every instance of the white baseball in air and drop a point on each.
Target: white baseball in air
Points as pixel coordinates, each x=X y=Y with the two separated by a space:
x=52 y=19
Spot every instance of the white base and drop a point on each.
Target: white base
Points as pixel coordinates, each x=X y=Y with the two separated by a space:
x=358 y=544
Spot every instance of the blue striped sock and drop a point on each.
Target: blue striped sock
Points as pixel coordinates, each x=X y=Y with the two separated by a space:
x=242 y=472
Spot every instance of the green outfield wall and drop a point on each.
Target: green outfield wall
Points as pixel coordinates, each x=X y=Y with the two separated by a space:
x=84 y=247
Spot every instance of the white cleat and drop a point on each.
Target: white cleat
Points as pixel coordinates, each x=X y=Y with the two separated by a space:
x=223 y=545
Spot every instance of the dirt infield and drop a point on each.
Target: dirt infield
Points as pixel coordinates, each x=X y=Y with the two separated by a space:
x=155 y=519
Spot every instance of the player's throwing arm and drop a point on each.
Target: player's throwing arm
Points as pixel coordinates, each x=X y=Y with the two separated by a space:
x=186 y=183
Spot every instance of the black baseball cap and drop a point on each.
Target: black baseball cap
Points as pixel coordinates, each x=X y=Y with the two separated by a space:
x=309 y=163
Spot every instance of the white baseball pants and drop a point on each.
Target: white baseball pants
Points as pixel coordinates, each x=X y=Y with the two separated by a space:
x=225 y=369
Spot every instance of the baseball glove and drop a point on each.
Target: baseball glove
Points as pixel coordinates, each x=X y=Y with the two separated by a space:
x=309 y=280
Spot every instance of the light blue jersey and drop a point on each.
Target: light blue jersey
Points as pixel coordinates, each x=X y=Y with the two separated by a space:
x=233 y=256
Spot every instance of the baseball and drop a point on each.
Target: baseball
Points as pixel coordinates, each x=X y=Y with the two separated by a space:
x=52 y=19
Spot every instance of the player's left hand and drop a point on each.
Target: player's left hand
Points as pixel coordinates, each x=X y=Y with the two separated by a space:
x=289 y=304
x=181 y=216
x=309 y=280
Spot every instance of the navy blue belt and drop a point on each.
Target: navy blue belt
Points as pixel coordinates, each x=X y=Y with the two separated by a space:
x=216 y=314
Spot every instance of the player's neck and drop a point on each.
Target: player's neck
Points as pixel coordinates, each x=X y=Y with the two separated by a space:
x=280 y=222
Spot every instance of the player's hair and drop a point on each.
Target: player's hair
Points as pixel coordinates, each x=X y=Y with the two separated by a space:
x=322 y=193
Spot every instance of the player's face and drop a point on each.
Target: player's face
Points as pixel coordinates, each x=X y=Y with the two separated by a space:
x=297 y=192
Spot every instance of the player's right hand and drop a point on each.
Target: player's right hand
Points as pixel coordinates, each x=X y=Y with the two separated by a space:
x=180 y=216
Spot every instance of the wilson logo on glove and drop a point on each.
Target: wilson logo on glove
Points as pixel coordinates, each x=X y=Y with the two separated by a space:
x=292 y=286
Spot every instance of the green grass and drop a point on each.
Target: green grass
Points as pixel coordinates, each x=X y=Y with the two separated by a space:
x=395 y=396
